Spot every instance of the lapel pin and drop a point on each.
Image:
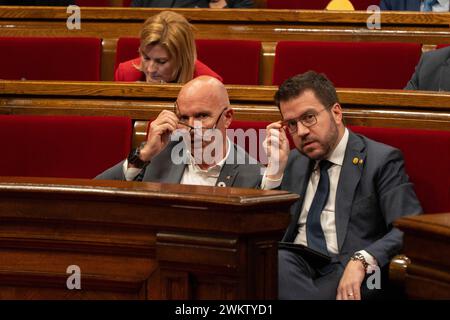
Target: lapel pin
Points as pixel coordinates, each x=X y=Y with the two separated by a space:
x=356 y=160
x=221 y=184
x=361 y=161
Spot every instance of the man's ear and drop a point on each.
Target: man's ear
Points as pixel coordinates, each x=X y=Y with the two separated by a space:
x=336 y=111
x=228 y=117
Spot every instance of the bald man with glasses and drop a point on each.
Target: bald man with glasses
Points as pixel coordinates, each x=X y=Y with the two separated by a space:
x=189 y=144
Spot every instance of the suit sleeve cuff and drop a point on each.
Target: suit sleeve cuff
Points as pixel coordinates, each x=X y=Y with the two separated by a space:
x=130 y=173
x=268 y=184
x=370 y=260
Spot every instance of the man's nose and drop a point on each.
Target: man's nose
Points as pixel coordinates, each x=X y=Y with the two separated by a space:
x=302 y=130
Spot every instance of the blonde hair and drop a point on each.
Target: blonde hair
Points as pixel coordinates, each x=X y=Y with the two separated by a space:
x=174 y=33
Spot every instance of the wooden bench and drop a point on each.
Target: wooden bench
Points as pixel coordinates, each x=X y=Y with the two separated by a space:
x=140 y=102
x=268 y=26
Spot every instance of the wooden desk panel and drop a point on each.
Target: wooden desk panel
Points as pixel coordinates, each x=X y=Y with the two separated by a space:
x=424 y=269
x=138 y=240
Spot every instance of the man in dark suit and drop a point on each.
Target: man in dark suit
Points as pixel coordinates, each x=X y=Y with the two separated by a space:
x=351 y=190
x=415 y=5
x=205 y=156
x=193 y=3
x=432 y=71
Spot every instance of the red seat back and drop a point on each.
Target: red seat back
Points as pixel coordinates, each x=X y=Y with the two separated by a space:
x=349 y=64
x=237 y=61
x=62 y=146
x=40 y=58
x=127 y=49
x=427 y=157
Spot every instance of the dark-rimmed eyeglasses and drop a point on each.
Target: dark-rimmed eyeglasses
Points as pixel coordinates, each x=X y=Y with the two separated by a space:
x=184 y=123
x=308 y=120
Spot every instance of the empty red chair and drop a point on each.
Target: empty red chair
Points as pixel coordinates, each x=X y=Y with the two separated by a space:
x=62 y=146
x=237 y=61
x=41 y=58
x=349 y=64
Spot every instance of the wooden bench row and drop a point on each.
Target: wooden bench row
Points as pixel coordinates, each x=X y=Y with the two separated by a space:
x=140 y=102
x=267 y=26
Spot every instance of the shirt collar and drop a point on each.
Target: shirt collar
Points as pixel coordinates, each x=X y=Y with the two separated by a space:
x=213 y=170
x=337 y=156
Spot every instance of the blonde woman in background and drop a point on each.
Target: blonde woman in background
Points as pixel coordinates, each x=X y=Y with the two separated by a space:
x=167 y=53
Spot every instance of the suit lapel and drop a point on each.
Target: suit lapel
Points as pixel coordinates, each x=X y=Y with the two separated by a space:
x=227 y=175
x=301 y=173
x=348 y=181
x=444 y=76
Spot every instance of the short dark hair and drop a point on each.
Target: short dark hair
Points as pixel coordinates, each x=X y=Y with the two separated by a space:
x=318 y=83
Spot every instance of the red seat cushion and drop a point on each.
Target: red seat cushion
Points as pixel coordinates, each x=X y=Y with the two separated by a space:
x=237 y=61
x=40 y=58
x=62 y=146
x=349 y=64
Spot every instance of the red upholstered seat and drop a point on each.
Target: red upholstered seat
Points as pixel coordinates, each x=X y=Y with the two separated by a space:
x=127 y=49
x=237 y=61
x=315 y=4
x=439 y=46
x=349 y=64
x=40 y=58
x=62 y=146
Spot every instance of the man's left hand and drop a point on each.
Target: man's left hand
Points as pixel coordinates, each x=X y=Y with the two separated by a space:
x=217 y=4
x=350 y=285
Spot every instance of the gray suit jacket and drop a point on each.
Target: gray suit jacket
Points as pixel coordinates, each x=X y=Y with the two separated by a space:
x=162 y=169
x=432 y=72
x=370 y=196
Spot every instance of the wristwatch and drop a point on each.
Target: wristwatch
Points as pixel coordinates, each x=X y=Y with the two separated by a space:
x=134 y=158
x=358 y=256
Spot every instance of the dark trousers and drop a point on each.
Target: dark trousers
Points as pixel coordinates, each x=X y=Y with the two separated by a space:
x=298 y=280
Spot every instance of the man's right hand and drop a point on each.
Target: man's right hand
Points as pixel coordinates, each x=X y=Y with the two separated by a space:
x=277 y=149
x=159 y=134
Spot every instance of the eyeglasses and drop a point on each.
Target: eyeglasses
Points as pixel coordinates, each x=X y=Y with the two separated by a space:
x=184 y=123
x=308 y=120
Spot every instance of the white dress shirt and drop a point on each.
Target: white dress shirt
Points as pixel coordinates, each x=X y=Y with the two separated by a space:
x=192 y=174
x=328 y=216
